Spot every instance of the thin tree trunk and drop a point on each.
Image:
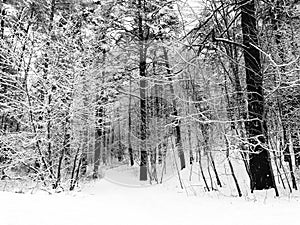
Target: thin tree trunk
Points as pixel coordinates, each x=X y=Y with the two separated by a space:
x=215 y=169
x=286 y=177
x=200 y=164
x=77 y=174
x=277 y=167
x=72 y=180
x=164 y=162
x=175 y=113
x=130 y=124
x=112 y=143
x=103 y=144
x=96 y=157
x=190 y=136
x=85 y=138
x=120 y=147
x=290 y=162
x=109 y=143
x=231 y=167
x=177 y=169
x=66 y=147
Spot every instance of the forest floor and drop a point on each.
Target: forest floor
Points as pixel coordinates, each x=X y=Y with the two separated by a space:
x=106 y=202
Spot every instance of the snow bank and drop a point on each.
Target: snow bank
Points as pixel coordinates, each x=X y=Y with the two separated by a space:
x=103 y=202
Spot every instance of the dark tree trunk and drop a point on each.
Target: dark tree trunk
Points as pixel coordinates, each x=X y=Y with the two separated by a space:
x=97 y=151
x=120 y=146
x=2 y=22
x=65 y=149
x=85 y=138
x=143 y=109
x=100 y=115
x=103 y=137
x=72 y=180
x=260 y=163
x=189 y=127
x=49 y=97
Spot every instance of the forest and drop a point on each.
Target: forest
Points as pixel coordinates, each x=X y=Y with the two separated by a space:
x=140 y=91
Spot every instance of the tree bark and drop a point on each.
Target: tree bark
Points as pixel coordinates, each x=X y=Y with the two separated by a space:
x=260 y=162
x=2 y=22
x=143 y=83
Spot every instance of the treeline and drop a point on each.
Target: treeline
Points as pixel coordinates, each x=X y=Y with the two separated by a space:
x=89 y=84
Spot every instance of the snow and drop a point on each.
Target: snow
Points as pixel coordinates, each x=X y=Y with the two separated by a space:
x=105 y=202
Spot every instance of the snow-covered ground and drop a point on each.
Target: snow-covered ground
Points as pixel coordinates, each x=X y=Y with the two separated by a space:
x=104 y=202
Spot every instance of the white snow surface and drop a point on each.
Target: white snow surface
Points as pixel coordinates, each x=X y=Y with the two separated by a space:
x=104 y=202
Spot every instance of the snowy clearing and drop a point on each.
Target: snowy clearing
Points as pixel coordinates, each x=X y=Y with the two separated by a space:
x=104 y=202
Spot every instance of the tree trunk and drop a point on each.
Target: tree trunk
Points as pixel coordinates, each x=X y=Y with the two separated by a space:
x=175 y=113
x=2 y=22
x=97 y=151
x=260 y=163
x=129 y=124
x=143 y=83
x=120 y=146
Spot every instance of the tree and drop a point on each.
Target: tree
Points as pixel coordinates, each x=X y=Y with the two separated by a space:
x=260 y=163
